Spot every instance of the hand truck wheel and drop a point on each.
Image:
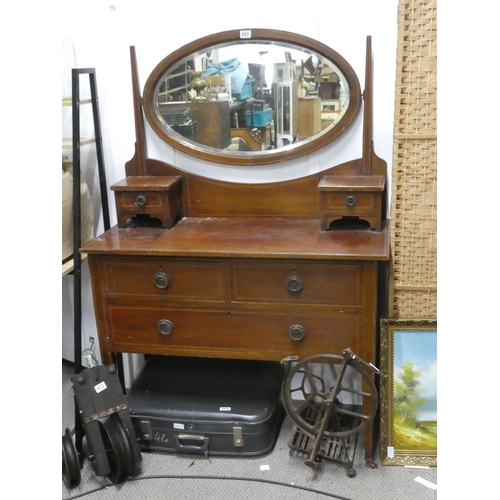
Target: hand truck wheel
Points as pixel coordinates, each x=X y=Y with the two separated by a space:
x=70 y=464
x=119 y=451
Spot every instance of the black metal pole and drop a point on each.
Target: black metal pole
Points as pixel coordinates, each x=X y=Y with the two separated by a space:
x=77 y=283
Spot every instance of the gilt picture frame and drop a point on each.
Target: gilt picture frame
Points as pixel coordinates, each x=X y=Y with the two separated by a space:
x=408 y=392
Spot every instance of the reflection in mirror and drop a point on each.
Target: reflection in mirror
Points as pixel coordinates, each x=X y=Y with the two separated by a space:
x=253 y=98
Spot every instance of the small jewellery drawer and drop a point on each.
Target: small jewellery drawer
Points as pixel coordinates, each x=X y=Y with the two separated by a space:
x=149 y=201
x=139 y=329
x=172 y=279
x=351 y=203
x=352 y=197
x=154 y=196
x=312 y=283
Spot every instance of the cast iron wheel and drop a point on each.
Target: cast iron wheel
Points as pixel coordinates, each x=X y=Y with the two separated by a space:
x=118 y=447
x=314 y=394
x=70 y=463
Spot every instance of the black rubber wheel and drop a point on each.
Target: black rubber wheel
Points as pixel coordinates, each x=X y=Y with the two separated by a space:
x=119 y=449
x=70 y=464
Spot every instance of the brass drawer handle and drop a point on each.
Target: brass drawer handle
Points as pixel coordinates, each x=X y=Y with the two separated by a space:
x=350 y=201
x=294 y=284
x=162 y=280
x=165 y=327
x=297 y=333
x=141 y=200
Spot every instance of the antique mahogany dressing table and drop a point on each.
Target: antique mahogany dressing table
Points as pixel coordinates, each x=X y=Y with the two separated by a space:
x=248 y=271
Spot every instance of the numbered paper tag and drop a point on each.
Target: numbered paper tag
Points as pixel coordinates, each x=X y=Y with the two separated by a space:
x=225 y=408
x=100 y=387
x=178 y=426
x=390 y=452
x=245 y=33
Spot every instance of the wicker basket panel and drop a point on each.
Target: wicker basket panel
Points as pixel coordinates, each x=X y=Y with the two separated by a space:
x=413 y=285
x=416 y=108
x=414 y=304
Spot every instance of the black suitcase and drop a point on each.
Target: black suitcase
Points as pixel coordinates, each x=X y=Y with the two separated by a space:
x=207 y=406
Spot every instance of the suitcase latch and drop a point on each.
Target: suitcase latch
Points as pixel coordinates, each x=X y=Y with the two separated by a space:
x=146 y=430
x=237 y=436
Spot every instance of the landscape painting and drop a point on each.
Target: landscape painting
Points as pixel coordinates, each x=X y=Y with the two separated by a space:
x=409 y=392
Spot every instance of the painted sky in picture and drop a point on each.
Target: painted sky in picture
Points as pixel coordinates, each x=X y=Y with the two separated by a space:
x=421 y=348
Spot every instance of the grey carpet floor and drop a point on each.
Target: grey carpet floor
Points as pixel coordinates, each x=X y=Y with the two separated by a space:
x=280 y=474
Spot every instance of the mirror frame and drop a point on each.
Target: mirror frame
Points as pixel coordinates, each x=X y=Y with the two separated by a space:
x=254 y=157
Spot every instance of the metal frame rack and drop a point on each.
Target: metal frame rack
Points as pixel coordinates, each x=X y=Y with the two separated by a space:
x=77 y=142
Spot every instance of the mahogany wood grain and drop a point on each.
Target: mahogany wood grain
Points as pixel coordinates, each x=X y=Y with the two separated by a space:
x=245 y=237
x=228 y=295
x=228 y=334
x=138 y=163
x=160 y=197
x=358 y=196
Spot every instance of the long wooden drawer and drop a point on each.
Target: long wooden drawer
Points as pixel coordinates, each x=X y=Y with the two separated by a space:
x=289 y=282
x=137 y=329
x=174 y=280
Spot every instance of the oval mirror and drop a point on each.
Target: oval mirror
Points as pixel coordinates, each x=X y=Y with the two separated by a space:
x=251 y=97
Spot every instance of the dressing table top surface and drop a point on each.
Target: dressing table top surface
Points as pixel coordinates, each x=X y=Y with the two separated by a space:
x=245 y=237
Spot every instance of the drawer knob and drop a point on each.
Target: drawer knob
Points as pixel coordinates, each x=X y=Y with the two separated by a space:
x=165 y=327
x=141 y=200
x=162 y=280
x=350 y=201
x=297 y=332
x=294 y=284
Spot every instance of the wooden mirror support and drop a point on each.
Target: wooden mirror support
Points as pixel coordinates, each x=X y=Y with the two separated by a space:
x=353 y=192
x=358 y=196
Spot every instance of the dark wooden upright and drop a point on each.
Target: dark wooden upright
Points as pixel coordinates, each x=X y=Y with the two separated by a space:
x=358 y=195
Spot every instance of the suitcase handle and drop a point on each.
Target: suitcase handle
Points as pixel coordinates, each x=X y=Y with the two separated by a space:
x=181 y=447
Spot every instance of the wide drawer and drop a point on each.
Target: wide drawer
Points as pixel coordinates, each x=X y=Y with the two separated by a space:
x=270 y=335
x=175 y=280
x=297 y=283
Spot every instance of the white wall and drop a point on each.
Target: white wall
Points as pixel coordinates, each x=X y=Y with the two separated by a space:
x=101 y=38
